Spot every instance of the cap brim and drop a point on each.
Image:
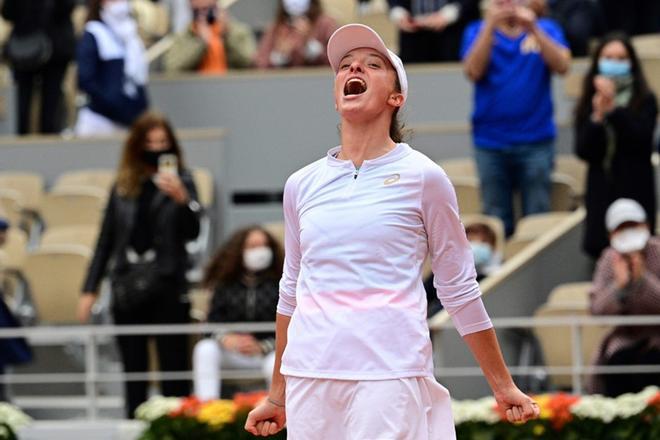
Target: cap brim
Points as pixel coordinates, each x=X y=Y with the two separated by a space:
x=350 y=37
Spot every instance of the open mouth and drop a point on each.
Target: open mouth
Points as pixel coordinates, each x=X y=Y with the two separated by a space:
x=355 y=86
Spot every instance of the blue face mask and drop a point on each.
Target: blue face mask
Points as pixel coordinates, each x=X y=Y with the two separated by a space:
x=482 y=253
x=608 y=67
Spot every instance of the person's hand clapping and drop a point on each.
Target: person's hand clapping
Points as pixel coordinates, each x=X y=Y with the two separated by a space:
x=499 y=13
x=517 y=406
x=171 y=185
x=407 y=24
x=266 y=419
x=621 y=271
x=637 y=265
x=242 y=343
x=525 y=17
x=435 y=22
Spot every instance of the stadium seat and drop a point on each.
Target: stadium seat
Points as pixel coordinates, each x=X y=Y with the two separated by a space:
x=571 y=294
x=11 y=205
x=468 y=195
x=29 y=185
x=562 y=197
x=514 y=245
x=535 y=225
x=647 y=46
x=15 y=249
x=102 y=178
x=84 y=235
x=55 y=276
x=556 y=341
x=73 y=206
x=569 y=165
x=460 y=168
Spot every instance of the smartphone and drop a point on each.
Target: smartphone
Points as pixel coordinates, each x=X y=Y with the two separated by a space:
x=168 y=164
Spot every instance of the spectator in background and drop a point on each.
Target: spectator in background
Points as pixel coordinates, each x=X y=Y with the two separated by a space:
x=483 y=242
x=39 y=49
x=581 y=21
x=213 y=42
x=510 y=56
x=244 y=275
x=12 y=350
x=112 y=70
x=614 y=124
x=626 y=282
x=298 y=37
x=431 y=31
x=633 y=17
x=151 y=213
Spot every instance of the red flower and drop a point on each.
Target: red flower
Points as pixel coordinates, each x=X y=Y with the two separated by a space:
x=189 y=408
x=560 y=406
x=655 y=400
x=247 y=401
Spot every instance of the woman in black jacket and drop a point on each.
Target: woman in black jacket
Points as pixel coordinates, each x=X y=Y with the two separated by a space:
x=614 y=126
x=244 y=275
x=151 y=214
x=52 y=20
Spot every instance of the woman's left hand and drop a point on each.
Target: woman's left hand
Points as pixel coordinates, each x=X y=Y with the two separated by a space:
x=171 y=185
x=517 y=406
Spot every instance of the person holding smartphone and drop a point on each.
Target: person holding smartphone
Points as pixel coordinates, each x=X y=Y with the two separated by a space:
x=353 y=353
x=298 y=37
x=212 y=43
x=151 y=213
x=627 y=282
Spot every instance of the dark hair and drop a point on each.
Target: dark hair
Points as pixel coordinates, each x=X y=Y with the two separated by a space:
x=640 y=86
x=484 y=230
x=94 y=10
x=398 y=131
x=313 y=13
x=132 y=169
x=227 y=266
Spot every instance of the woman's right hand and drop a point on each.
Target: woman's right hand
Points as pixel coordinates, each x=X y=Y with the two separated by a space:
x=85 y=304
x=266 y=419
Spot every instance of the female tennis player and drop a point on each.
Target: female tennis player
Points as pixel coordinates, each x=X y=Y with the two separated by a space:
x=353 y=356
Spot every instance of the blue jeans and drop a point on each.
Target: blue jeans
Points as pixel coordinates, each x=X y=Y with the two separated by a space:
x=527 y=168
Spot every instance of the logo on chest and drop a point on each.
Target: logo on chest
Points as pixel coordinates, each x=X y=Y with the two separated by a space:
x=392 y=179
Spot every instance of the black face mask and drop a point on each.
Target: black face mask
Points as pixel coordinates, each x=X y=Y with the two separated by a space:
x=211 y=14
x=151 y=157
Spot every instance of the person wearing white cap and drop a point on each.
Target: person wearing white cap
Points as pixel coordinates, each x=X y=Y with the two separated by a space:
x=353 y=354
x=626 y=282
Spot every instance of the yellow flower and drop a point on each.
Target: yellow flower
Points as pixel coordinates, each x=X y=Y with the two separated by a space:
x=544 y=400
x=217 y=412
x=538 y=430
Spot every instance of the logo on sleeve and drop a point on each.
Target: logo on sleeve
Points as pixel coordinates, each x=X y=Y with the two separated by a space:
x=392 y=179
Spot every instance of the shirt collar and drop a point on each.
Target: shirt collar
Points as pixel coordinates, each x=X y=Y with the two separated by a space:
x=401 y=150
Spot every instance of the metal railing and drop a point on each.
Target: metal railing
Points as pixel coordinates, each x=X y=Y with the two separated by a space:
x=91 y=336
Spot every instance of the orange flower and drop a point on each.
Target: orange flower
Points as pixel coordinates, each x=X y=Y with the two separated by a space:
x=560 y=407
x=189 y=408
x=247 y=401
x=655 y=400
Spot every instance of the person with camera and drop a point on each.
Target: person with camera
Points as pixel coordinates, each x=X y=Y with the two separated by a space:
x=511 y=56
x=151 y=213
x=298 y=37
x=213 y=42
x=40 y=47
x=627 y=282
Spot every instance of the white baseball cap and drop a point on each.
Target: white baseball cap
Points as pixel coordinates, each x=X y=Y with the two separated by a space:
x=356 y=36
x=622 y=211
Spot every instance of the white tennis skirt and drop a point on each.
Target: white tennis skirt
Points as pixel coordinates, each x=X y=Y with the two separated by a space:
x=416 y=408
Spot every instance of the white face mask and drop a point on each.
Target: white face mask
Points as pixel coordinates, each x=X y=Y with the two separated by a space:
x=296 y=8
x=630 y=240
x=258 y=258
x=116 y=10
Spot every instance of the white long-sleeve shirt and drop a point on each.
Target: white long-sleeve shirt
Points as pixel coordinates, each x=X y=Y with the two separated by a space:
x=355 y=242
